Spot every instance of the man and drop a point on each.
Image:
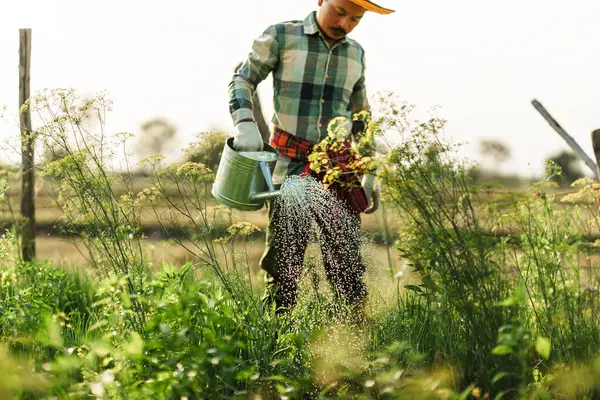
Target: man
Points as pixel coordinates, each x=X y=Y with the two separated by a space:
x=318 y=74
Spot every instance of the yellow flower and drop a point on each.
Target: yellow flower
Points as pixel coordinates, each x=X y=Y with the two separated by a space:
x=242 y=229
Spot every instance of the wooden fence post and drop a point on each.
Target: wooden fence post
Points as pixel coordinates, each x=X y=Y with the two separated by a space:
x=27 y=149
x=596 y=147
x=570 y=141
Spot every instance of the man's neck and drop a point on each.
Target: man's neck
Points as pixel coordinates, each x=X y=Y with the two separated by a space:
x=329 y=40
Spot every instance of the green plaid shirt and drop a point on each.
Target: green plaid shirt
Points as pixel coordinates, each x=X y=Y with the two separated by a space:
x=312 y=82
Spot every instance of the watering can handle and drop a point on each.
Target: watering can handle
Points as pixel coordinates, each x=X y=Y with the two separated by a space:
x=267 y=174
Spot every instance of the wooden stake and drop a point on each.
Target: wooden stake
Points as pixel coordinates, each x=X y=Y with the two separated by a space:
x=570 y=141
x=596 y=146
x=27 y=152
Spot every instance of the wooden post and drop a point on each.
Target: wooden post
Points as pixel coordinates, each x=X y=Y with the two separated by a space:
x=570 y=141
x=596 y=147
x=27 y=149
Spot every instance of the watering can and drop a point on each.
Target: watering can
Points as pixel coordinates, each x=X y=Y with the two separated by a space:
x=243 y=179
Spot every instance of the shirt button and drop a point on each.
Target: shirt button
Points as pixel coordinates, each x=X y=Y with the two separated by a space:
x=326 y=76
x=322 y=101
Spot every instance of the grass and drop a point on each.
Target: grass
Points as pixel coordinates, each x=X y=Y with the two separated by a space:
x=48 y=214
x=70 y=253
x=491 y=295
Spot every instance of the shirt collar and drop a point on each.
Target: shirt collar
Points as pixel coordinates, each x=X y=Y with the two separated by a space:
x=311 y=27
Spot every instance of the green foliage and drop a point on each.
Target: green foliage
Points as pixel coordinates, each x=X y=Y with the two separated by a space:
x=503 y=293
x=207 y=149
x=564 y=168
x=29 y=292
x=504 y=303
x=107 y=224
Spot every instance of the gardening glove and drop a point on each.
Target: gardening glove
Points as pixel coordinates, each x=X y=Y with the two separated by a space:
x=247 y=137
x=373 y=191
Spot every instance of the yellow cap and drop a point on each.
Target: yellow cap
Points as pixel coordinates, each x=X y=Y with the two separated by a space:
x=370 y=6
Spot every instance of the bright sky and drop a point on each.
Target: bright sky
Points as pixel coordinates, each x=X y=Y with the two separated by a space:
x=481 y=61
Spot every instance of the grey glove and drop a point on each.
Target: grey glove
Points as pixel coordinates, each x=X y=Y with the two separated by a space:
x=247 y=137
x=373 y=192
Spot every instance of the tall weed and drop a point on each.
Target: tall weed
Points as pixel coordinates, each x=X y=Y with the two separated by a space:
x=501 y=294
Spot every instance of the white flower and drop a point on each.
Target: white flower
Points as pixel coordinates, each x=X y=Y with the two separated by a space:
x=97 y=389
x=107 y=377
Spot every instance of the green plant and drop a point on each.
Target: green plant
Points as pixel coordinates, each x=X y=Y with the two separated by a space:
x=207 y=149
x=446 y=243
x=107 y=223
x=472 y=246
x=504 y=303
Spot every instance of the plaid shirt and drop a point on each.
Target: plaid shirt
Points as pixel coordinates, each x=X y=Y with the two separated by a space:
x=312 y=82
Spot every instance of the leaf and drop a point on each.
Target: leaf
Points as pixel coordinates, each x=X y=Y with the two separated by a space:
x=101 y=302
x=135 y=346
x=465 y=393
x=543 y=347
x=499 y=395
x=203 y=299
x=509 y=301
x=126 y=300
x=414 y=288
x=502 y=350
x=209 y=335
x=498 y=377
x=97 y=325
x=518 y=297
x=542 y=394
x=276 y=378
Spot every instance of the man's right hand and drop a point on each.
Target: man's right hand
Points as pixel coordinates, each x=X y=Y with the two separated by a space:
x=247 y=137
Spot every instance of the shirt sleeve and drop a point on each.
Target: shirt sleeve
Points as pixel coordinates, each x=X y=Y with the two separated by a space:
x=358 y=99
x=260 y=62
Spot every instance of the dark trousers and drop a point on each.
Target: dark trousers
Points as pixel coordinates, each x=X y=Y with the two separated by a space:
x=283 y=258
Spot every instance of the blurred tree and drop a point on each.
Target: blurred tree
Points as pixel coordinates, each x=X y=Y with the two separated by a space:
x=53 y=153
x=155 y=136
x=569 y=164
x=207 y=149
x=494 y=149
x=496 y=153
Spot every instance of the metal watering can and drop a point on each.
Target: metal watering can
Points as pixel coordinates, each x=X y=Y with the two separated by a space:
x=243 y=177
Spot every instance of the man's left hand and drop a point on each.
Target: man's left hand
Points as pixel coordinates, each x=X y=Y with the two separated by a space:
x=373 y=191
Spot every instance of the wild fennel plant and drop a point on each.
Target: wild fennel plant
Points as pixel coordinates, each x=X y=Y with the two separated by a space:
x=108 y=224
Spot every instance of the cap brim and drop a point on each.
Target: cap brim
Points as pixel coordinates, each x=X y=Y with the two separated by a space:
x=370 y=6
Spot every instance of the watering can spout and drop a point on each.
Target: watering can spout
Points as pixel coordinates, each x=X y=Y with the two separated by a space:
x=272 y=193
x=264 y=196
x=267 y=174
